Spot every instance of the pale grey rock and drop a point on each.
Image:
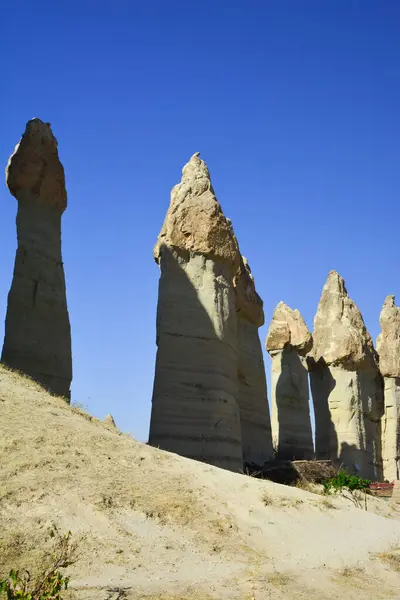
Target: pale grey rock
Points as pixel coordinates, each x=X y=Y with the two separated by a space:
x=388 y=347
x=346 y=385
x=287 y=342
x=388 y=341
x=37 y=329
x=252 y=385
x=194 y=406
x=395 y=499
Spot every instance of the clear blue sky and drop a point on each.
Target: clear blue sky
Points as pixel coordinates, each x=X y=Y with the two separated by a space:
x=294 y=105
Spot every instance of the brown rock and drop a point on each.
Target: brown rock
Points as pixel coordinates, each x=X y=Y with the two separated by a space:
x=288 y=327
x=388 y=341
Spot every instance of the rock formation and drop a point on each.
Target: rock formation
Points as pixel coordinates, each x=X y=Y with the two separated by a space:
x=388 y=347
x=288 y=342
x=109 y=421
x=346 y=385
x=37 y=330
x=252 y=386
x=194 y=407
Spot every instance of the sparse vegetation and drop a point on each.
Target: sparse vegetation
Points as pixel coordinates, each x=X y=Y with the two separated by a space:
x=49 y=581
x=279 y=578
x=392 y=558
x=348 y=486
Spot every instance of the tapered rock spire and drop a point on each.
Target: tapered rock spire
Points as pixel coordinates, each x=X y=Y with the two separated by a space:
x=346 y=384
x=288 y=341
x=37 y=330
x=194 y=407
x=388 y=347
x=252 y=385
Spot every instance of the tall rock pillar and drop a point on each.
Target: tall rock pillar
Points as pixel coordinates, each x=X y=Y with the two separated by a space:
x=37 y=329
x=388 y=347
x=346 y=385
x=252 y=384
x=194 y=406
x=288 y=342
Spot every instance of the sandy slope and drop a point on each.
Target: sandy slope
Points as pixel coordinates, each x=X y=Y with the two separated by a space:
x=155 y=525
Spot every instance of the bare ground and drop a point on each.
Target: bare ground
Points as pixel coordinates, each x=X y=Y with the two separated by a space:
x=158 y=526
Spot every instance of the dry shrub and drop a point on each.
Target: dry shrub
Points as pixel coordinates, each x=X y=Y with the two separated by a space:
x=315 y=471
x=391 y=558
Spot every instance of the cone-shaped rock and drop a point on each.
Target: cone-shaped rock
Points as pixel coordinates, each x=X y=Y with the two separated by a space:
x=288 y=341
x=388 y=347
x=37 y=330
x=346 y=385
x=252 y=384
x=194 y=407
x=109 y=420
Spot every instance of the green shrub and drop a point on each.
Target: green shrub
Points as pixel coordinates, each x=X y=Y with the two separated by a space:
x=343 y=480
x=50 y=582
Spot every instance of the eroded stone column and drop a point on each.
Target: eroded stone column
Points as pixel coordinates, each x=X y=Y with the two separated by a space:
x=37 y=329
x=288 y=342
x=252 y=384
x=346 y=385
x=194 y=407
x=388 y=347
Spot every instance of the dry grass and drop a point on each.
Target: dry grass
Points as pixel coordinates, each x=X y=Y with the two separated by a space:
x=278 y=578
x=280 y=501
x=314 y=471
x=325 y=503
x=391 y=558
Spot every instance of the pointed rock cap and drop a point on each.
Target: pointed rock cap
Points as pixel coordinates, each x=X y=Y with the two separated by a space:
x=249 y=305
x=34 y=167
x=340 y=336
x=388 y=341
x=288 y=327
x=109 y=420
x=195 y=221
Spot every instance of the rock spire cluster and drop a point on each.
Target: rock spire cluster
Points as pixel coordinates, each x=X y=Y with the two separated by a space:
x=37 y=329
x=210 y=400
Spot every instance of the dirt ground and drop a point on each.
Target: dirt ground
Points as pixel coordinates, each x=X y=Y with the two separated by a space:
x=154 y=525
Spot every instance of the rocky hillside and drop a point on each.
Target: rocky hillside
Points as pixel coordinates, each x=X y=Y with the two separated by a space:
x=151 y=524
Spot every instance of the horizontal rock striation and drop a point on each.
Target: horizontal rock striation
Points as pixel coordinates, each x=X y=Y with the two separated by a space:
x=252 y=385
x=288 y=341
x=194 y=407
x=37 y=329
x=346 y=384
x=388 y=347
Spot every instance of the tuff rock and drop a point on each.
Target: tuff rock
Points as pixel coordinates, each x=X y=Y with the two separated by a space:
x=346 y=385
x=388 y=347
x=194 y=406
x=288 y=341
x=252 y=386
x=37 y=329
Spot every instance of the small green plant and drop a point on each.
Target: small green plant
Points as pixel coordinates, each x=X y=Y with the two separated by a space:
x=343 y=480
x=50 y=582
x=347 y=486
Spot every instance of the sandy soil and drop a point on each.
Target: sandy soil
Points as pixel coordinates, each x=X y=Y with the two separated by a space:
x=155 y=525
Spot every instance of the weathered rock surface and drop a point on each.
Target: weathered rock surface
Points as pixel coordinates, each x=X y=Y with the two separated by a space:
x=388 y=347
x=109 y=420
x=346 y=384
x=194 y=407
x=252 y=385
x=288 y=341
x=37 y=330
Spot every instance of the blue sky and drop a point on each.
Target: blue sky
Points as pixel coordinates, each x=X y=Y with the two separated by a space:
x=293 y=105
